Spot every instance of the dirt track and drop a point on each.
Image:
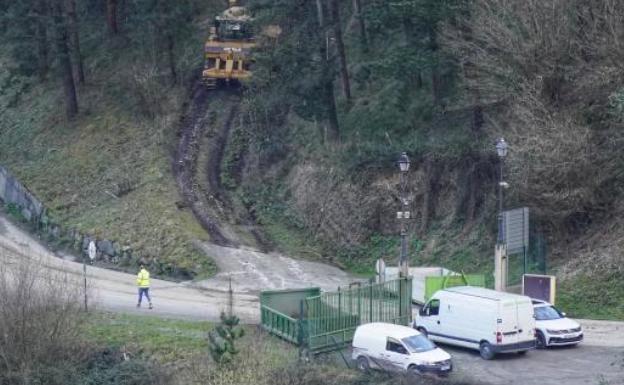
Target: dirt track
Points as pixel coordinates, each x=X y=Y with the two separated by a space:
x=192 y=130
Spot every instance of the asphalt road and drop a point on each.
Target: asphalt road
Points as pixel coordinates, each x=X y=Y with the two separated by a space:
x=581 y=365
x=250 y=271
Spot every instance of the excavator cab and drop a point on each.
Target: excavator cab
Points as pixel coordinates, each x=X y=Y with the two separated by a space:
x=228 y=49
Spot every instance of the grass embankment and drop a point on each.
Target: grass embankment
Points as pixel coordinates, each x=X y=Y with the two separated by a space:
x=181 y=348
x=107 y=173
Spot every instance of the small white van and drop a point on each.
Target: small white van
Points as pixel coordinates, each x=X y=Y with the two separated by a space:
x=490 y=321
x=397 y=348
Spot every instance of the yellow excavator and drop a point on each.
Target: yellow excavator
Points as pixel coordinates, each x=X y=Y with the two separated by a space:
x=227 y=52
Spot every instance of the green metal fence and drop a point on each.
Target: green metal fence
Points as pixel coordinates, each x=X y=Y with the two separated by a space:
x=327 y=321
x=333 y=317
x=281 y=310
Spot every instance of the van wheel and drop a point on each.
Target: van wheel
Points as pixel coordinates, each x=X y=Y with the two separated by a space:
x=362 y=364
x=540 y=340
x=522 y=352
x=485 y=349
x=423 y=331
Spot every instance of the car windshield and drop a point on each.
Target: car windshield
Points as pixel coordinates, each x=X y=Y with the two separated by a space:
x=543 y=313
x=418 y=344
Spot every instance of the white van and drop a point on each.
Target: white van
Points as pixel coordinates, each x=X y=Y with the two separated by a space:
x=478 y=318
x=397 y=348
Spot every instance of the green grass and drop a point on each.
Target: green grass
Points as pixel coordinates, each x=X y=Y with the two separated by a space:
x=592 y=296
x=171 y=341
x=164 y=339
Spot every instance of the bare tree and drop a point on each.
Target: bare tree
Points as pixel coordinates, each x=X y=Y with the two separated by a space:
x=543 y=62
x=40 y=316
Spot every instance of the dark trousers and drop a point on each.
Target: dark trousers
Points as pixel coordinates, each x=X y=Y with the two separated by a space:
x=142 y=291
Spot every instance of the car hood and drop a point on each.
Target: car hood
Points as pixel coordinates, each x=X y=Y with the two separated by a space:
x=557 y=324
x=434 y=355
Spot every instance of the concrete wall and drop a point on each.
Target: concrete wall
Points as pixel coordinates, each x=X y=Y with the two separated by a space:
x=12 y=192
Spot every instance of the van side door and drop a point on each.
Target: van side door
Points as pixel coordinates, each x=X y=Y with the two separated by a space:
x=396 y=355
x=429 y=317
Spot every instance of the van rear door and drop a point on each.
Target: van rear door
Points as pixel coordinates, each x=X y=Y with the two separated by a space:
x=507 y=322
x=526 y=321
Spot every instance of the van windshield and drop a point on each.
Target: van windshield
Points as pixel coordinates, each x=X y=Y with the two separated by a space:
x=418 y=344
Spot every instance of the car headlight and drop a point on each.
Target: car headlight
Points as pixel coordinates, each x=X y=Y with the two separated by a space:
x=554 y=331
x=436 y=363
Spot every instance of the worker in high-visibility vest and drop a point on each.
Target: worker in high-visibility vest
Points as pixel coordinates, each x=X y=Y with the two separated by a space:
x=143 y=283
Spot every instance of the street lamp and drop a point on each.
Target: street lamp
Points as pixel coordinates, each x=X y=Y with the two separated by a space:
x=500 y=252
x=501 y=149
x=403 y=215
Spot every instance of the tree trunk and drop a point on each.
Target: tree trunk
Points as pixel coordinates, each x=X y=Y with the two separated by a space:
x=65 y=66
x=75 y=39
x=436 y=81
x=342 y=57
x=42 y=39
x=333 y=131
x=357 y=9
x=171 y=54
x=319 y=10
x=111 y=16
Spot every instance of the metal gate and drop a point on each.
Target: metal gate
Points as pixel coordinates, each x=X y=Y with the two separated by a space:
x=331 y=318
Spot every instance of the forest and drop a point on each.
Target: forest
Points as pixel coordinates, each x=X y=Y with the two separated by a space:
x=91 y=92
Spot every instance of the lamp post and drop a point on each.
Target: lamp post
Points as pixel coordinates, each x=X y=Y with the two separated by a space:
x=500 y=252
x=501 y=149
x=403 y=215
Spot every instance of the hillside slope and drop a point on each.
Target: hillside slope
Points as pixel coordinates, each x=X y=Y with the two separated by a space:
x=442 y=80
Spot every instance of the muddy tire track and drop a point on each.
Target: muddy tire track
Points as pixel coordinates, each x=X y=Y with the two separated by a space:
x=214 y=190
x=192 y=128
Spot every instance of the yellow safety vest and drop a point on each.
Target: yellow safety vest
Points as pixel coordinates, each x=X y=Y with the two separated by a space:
x=143 y=278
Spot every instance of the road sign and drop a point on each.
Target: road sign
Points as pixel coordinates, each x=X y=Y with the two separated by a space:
x=516 y=230
x=92 y=250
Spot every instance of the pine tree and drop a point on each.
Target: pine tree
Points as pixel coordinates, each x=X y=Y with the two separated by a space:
x=223 y=339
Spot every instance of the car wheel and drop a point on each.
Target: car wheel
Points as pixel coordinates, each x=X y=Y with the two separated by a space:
x=540 y=340
x=423 y=331
x=362 y=364
x=522 y=352
x=485 y=349
x=413 y=370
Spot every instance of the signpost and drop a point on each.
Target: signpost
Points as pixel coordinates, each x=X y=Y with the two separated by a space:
x=91 y=250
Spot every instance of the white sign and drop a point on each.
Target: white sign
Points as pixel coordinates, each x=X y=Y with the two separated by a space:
x=92 y=250
x=380 y=267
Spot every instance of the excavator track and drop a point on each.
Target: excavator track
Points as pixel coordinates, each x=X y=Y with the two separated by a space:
x=203 y=137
